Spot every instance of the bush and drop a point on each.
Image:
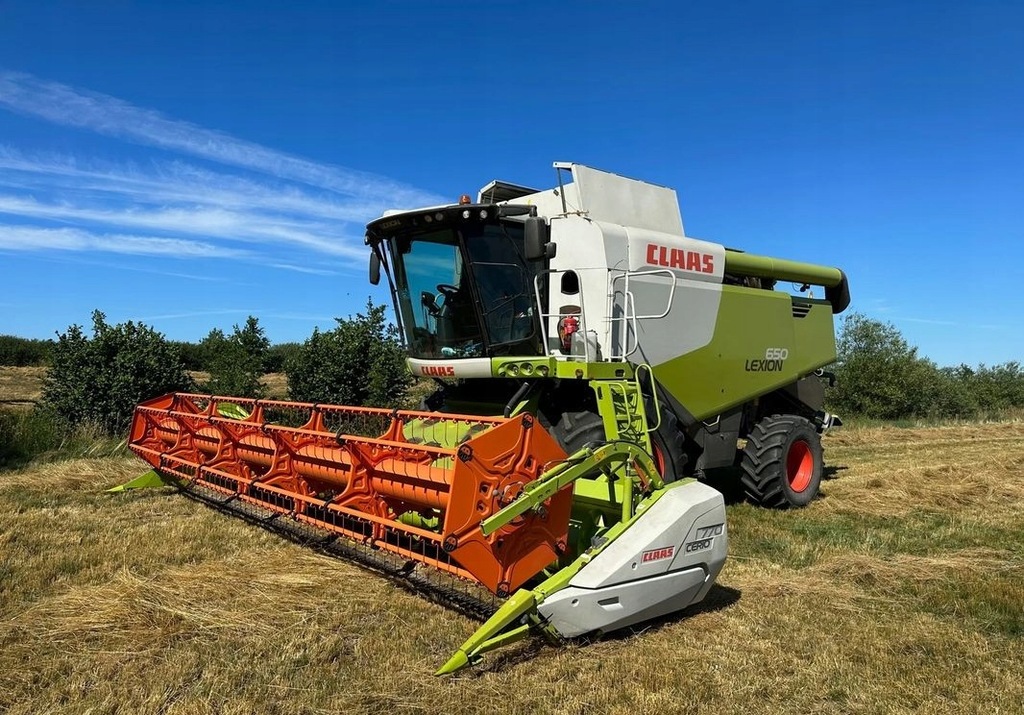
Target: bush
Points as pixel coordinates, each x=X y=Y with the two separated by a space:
x=22 y=352
x=99 y=380
x=279 y=356
x=992 y=389
x=25 y=434
x=192 y=355
x=881 y=376
x=360 y=362
x=236 y=362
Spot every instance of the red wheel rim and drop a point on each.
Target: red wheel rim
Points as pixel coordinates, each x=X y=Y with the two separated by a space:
x=799 y=466
x=659 y=458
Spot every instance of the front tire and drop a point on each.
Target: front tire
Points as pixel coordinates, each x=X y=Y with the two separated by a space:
x=576 y=429
x=782 y=462
x=668 y=446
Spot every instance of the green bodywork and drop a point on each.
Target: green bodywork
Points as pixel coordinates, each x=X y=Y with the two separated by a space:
x=740 y=363
x=763 y=340
x=749 y=264
x=150 y=480
x=525 y=367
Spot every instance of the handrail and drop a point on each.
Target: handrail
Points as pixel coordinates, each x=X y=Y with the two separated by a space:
x=630 y=319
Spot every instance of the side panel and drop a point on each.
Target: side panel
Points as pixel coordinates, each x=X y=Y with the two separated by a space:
x=576 y=611
x=586 y=248
x=672 y=275
x=759 y=344
x=612 y=199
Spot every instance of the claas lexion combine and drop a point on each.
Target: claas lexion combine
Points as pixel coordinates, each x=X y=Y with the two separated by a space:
x=593 y=363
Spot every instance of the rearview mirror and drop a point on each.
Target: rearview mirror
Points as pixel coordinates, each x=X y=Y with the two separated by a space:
x=374 y=268
x=538 y=239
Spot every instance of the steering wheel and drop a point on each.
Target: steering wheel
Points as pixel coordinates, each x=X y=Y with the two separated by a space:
x=447 y=290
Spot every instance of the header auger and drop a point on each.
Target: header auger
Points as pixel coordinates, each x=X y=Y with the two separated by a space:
x=594 y=364
x=419 y=488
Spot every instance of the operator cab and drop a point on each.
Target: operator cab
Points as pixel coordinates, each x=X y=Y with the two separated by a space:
x=461 y=281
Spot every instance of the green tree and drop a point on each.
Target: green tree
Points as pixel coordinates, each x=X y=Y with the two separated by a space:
x=280 y=355
x=100 y=379
x=360 y=362
x=236 y=362
x=209 y=348
x=191 y=354
x=992 y=389
x=20 y=352
x=880 y=374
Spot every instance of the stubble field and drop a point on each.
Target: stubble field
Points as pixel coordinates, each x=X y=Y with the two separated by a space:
x=900 y=590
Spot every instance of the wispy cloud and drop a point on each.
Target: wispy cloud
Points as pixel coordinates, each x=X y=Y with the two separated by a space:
x=878 y=305
x=110 y=116
x=304 y=269
x=926 y=321
x=950 y=323
x=30 y=238
x=263 y=205
x=175 y=182
x=156 y=268
x=202 y=221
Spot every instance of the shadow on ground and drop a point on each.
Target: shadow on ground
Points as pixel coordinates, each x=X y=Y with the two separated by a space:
x=719 y=598
x=832 y=471
x=727 y=481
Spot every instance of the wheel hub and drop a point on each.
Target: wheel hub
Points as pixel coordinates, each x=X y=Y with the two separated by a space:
x=799 y=465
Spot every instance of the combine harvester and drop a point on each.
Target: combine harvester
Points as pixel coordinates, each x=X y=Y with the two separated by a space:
x=593 y=364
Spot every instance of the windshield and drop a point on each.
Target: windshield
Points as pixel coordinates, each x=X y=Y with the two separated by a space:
x=454 y=308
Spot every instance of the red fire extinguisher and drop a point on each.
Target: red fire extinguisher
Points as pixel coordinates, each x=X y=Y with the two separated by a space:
x=568 y=325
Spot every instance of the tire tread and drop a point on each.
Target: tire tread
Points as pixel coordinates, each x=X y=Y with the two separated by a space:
x=763 y=461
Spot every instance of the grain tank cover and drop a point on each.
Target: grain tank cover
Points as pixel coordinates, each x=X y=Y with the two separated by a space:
x=499 y=191
x=610 y=198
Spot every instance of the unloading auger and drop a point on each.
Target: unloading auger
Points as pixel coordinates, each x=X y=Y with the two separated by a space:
x=573 y=544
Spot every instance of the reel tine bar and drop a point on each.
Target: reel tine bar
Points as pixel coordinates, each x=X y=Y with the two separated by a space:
x=417 y=484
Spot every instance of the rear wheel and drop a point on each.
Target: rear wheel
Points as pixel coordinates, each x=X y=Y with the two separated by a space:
x=576 y=429
x=782 y=462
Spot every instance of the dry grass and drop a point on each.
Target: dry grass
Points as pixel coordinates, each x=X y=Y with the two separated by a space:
x=24 y=385
x=20 y=385
x=901 y=590
x=276 y=384
x=199 y=376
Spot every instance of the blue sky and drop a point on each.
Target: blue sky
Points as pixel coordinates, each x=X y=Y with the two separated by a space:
x=189 y=163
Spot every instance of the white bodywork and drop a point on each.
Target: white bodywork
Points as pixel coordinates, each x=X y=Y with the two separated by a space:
x=460 y=368
x=637 y=270
x=667 y=560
